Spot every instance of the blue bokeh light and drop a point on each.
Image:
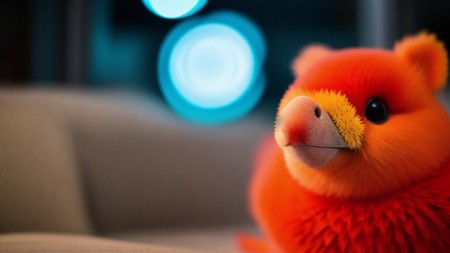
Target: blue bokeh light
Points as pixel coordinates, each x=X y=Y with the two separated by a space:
x=173 y=9
x=210 y=68
x=211 y=65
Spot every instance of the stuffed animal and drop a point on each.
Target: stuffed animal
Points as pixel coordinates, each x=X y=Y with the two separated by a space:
x=362 y=155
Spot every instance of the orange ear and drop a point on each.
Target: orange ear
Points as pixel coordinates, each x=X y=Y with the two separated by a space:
x=428 y=54
x=307 y=57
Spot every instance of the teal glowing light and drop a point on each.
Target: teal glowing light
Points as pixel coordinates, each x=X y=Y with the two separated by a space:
x=210 y=68
x=211 y=65
x=173 y=9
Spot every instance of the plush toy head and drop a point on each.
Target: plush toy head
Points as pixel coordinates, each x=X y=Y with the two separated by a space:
x=364 y=122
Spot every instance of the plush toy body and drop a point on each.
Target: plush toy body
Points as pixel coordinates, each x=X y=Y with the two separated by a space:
x=361 y=161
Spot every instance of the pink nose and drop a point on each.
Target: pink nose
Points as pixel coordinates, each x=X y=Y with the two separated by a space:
x=297 y=120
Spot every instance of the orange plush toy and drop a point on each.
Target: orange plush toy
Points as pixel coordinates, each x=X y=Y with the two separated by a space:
x=362 y=155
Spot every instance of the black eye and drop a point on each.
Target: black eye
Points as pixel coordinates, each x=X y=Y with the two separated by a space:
x=377 y=111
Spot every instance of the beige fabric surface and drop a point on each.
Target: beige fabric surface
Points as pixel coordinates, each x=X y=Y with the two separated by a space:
x=60 y=243
x=39 y=184
x=140 y=166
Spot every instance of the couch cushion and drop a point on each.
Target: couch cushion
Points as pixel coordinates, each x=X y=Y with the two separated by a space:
x=143 y=167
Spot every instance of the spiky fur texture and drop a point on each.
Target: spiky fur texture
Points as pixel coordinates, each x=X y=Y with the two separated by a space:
x=294 y=219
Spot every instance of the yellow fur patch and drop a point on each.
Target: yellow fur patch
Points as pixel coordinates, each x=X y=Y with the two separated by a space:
x=343 y=114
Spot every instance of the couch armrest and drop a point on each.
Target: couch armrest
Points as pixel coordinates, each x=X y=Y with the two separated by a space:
x=40 y=188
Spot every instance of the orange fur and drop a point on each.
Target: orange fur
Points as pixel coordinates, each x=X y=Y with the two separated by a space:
x=392 y=193
x=413 y=220
x=361 y=74
x=308 y=56
x=426 y=53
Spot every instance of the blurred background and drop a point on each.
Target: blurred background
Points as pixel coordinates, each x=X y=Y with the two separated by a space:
x=115 y=43
x=168 y=161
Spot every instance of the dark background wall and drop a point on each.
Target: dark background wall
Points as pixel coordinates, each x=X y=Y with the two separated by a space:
x=115 y=43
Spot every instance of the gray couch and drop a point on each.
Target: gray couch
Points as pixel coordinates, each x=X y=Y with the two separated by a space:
x=86 y=172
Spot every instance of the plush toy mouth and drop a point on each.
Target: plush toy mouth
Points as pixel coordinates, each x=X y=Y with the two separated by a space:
x=321 y=147
x=314 y=156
